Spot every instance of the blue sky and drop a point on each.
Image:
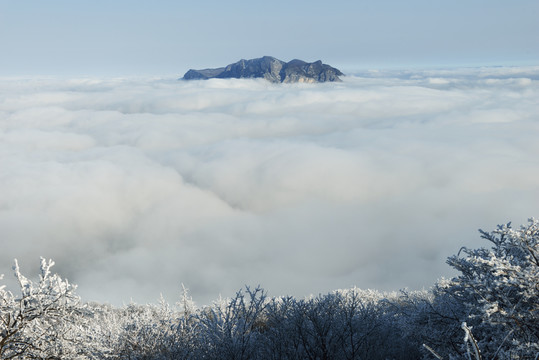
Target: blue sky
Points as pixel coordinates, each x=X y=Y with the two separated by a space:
x=162 y=37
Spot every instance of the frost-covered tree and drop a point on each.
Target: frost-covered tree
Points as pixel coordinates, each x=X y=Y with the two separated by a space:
x=137 y=332
x=101 y=329
x=38 y=322
x=499 y=289
x=395 y=333
x=148 y=331
x=319 y=327
x=231 y=329
x=345 y=324
x=281 y=340
x=435 y=318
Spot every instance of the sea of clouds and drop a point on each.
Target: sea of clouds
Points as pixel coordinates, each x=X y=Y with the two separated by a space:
x=135 y=186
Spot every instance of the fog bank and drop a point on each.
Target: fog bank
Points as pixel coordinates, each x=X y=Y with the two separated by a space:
x=134 y=186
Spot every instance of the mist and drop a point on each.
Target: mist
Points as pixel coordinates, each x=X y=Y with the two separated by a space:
x=137 y=185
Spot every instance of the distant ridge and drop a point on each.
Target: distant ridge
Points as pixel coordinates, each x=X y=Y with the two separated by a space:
x=271 y=69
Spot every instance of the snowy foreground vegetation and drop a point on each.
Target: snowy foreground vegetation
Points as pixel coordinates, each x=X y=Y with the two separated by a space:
x=489 y=311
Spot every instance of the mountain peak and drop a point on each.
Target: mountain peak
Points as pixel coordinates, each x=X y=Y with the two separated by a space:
x=271 y=69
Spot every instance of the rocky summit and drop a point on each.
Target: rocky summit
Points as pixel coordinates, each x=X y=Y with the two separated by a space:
x=272 y=69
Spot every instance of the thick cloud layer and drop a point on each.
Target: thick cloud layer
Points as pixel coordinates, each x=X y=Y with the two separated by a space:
x=134 y=186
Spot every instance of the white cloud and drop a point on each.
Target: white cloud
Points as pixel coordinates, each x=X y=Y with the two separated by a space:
x=134 y=186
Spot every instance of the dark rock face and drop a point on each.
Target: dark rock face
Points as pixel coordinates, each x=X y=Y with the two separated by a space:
x=271 y=69
x=202 y=74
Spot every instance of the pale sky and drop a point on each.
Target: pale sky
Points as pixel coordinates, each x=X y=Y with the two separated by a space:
x=166 y=38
